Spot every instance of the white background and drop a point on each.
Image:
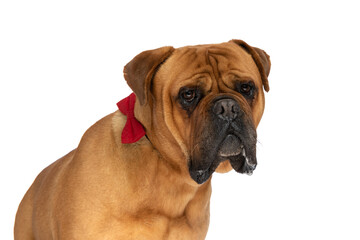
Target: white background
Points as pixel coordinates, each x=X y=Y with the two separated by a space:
x=61 y=70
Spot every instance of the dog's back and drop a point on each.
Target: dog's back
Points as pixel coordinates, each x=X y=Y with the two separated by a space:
x=37 y=200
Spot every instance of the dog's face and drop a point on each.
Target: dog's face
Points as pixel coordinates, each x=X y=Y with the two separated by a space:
x=200 y=105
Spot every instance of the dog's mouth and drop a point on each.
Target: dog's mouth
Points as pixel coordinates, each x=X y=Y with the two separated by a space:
x=241 y=154
x=230 y=147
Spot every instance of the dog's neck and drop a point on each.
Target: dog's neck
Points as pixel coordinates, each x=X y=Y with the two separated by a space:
x=174 y=186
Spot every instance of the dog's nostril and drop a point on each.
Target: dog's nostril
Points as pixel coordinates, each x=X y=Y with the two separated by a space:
x=226 y=108
x=218 y=109
x=235 y=108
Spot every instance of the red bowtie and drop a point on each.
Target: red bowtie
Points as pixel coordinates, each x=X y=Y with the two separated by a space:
x=133 y=129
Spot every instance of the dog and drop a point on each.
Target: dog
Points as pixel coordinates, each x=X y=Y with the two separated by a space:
x=144 y=171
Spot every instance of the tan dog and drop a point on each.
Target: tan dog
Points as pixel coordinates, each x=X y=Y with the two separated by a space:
x=200 y=106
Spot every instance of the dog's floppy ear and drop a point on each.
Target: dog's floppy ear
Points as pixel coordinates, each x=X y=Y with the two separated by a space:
x=261 y=59
x=140 y=70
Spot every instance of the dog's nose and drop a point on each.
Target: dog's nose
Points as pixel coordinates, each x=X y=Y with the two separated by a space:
x=227 y=109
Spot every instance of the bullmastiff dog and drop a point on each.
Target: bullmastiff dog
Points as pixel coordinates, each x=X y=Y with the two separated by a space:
x=144 y=171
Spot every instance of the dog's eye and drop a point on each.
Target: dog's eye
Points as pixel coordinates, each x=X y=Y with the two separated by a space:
x=188 y=95
x=246 y=88
x=189 y=98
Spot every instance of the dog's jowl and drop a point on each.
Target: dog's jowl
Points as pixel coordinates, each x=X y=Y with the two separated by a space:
x=144 y=171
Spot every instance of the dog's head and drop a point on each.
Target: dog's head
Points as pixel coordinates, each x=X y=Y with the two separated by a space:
x=200 y=105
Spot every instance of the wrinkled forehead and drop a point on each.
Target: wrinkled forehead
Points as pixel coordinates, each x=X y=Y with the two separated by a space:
x=216 y=60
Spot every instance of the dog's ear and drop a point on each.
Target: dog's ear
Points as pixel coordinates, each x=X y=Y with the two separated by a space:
x=261 y=59
x=140 y=71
